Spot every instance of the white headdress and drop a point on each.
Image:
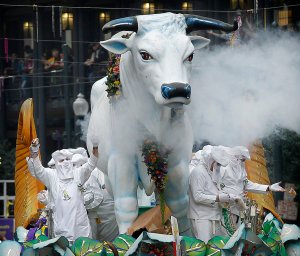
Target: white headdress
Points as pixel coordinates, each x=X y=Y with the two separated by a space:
x=210 y=154
x=63 y=164
x=51 y=163
x=59 y=155
x=206 y=157
x=240 y=152
x=79 y=150
x=78 y=160
x=236 y=155
x=220 y=155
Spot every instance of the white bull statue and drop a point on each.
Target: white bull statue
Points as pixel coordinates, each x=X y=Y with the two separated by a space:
x=155 y=70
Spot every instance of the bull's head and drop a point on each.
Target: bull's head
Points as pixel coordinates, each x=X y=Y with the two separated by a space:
x=161 y=51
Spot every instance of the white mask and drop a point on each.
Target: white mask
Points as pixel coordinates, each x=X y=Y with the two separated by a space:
x=64 y=170
x=237 y=166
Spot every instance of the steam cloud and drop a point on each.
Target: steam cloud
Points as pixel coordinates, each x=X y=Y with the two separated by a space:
x=243 y=93
x=84 y=126
x=240 y=94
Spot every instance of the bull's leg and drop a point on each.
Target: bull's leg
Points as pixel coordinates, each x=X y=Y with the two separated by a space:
x=123 y=178
x=176 y=195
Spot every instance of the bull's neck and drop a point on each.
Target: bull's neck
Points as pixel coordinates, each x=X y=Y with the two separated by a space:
x=154 y=117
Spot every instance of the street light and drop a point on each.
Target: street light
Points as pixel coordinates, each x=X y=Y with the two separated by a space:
x=80 y=106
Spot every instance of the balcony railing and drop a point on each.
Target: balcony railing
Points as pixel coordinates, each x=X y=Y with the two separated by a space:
x=7 y=198
x=17 y=88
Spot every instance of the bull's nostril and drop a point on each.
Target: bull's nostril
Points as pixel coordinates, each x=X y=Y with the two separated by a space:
x=188 y=91
x=166 y=91
x=173 y=90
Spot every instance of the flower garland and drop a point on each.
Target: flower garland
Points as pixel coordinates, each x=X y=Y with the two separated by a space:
x=113 y=82
x=114 y=86
x=156 y=160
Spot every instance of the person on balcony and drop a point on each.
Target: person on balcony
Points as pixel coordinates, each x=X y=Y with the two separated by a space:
x=54 y=62
x=93 y=63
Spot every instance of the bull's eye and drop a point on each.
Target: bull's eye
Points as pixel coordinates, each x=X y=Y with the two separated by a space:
x=190 y=58
x=145 y=55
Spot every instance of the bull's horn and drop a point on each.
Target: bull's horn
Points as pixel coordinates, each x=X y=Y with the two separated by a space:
x=195 y=22
x=127 y=23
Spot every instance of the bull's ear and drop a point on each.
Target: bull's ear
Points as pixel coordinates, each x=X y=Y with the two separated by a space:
x=199 y=42
x=119 y=43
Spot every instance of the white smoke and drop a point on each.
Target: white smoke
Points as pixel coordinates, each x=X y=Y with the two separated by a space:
x=239 y=94
x=84 y=124
x=243 y=93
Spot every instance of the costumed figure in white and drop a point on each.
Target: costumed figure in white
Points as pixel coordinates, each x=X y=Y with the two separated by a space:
x=232 y=179
x=204 y=209
x=64 y=184
x=155 y=70
x=99 y=204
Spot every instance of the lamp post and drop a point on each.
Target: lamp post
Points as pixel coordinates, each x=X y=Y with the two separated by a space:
x=81 y=108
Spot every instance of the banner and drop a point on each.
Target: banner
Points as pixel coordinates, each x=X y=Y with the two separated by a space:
x=7 y=227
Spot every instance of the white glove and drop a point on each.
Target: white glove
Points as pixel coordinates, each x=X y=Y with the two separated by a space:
x=230 y=198
x=224 y=198
x=276 y=187
x=42 y=197
x=235 y=198
x=35 y=146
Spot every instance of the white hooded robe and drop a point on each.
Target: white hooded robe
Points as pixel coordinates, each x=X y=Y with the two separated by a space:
x=65 y=197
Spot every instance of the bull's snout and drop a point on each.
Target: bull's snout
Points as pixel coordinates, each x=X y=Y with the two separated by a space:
x=173 y=90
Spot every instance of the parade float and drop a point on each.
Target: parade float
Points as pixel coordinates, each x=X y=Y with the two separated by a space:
x=145 y=110
x=145 y=139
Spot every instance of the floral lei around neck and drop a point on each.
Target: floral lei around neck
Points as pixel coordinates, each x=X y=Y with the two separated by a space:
x=156 y=160
x=155 y=156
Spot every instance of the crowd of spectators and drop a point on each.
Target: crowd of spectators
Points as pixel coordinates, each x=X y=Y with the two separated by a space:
x=17 y=70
